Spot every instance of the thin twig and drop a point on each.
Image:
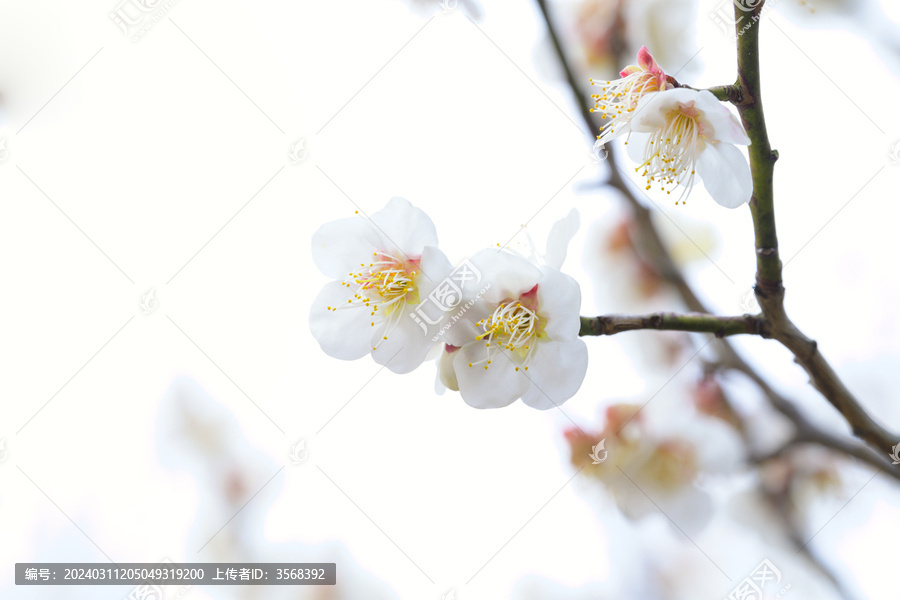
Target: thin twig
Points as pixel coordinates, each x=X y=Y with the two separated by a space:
x=667 y=321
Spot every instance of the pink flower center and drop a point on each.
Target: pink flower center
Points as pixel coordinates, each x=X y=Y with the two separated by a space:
x=382 y=287
x=515 y=325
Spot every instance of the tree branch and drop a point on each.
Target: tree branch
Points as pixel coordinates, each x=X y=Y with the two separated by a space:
x=826 y=380
x=666 y=321
x=746 y=95
x=762 y=157
x=567 y=70
x=769 y=288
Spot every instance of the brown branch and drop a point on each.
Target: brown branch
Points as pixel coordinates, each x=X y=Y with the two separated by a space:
x=567 y=70
x=771 y=293
x=667 y=321
x=826 y=380
x=658 y=255
x=781 y=502
x=769 y=288
x=806 y=432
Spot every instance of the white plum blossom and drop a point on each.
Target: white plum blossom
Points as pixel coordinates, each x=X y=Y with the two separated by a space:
x=519 y=338
x=618 y=99
x=383 y=266
x=522 y=340
x=680 y=133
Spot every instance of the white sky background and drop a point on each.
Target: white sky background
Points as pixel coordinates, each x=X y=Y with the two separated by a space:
x=150 y=150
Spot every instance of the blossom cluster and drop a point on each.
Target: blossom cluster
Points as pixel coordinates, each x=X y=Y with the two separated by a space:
x=674 y=134
x=666 y=451
x=500 y=326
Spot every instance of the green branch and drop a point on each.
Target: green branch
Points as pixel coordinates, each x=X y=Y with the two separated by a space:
x=762 y=158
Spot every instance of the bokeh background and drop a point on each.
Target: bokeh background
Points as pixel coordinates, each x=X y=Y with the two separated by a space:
x=163 y=167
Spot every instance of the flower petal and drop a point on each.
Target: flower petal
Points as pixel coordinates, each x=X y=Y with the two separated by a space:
x=559 y=301
x=636 y=146
x=406 y=226
x=401 y=346
x=463 y=330
x=339 y=246
x=412 y=329
x=646 y=61
x=723 y=125
x=556 y=371
x=443 y=295
x=431 y=312
x=725 y=174
x=344 y=333
x=499 y=385
x=651 y=111
x=561 y=234
x=510 y=274
x=434 y=267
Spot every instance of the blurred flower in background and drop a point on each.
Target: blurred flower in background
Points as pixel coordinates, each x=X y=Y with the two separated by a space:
x=235 y=488
x=599 y=33
x=659 y=454
x=617 y=253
